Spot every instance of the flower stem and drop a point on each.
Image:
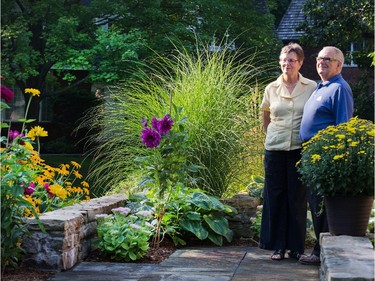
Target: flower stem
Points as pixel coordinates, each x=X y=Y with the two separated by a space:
x=26 y=111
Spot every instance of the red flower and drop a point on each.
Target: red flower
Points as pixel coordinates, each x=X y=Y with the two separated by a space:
x=30 y=189
x=6 y=94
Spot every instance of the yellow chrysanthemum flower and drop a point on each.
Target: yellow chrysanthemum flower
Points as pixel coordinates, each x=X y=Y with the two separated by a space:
x=58 y=190
x=337 y=157
x=340 y=136
x=32 y=91
x=63 y=170
x=37 y=131
x=315 y=158
x=354 y=143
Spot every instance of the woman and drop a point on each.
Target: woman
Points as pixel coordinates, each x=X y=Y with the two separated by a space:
x=284 y=209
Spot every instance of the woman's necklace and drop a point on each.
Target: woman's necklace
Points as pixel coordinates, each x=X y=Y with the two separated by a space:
x=290 y=85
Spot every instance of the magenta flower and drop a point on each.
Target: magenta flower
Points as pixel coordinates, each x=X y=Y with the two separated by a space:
x=6 y=94
x=13 y=134
x=165 y=124
x=30 y=189
x=46 y=187
x=150 y=137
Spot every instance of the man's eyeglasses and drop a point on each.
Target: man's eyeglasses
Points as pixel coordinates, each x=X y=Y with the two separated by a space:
x=288 y=60
x=319 y=59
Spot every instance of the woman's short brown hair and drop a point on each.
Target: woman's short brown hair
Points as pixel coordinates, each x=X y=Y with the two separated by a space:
x=293 y=47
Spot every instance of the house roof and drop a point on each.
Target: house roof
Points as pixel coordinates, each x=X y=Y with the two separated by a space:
x=291 y=19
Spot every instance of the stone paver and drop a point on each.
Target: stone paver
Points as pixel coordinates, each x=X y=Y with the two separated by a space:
x=346 y=258
x=230 y=263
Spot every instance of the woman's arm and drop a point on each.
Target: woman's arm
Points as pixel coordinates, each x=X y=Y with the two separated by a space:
x=266 y=119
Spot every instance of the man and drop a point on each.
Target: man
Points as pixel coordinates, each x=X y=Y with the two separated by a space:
x=330 y=104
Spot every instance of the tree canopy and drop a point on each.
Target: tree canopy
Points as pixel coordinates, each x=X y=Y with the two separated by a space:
x=43 y=34
x=338 y=23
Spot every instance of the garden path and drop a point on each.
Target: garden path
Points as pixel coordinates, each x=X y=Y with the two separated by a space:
x=231 y=263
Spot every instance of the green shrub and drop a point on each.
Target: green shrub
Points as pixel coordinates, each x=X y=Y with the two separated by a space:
x=256 y=187
x=124 y=235
x=190 y=213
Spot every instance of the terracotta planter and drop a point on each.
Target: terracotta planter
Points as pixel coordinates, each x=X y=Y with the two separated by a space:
x=348 y=215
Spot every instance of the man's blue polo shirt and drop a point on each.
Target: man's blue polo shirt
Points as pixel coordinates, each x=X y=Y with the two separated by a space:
x=330 y=104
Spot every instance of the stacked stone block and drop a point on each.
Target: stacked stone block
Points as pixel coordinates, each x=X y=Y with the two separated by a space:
x=69 y=233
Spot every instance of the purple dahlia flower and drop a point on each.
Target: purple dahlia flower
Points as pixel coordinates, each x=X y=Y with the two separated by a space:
x=165 y=124
x=155 y=123
x=150 y=137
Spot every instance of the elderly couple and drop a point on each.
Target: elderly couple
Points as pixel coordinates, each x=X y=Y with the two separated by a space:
x=294 y=110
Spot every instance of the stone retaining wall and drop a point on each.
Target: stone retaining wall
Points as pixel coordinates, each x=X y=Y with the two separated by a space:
x=71 y=230
x=246 y=207
x=69 y=233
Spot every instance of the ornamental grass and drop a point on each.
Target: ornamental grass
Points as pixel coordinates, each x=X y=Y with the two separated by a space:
x=218 y=93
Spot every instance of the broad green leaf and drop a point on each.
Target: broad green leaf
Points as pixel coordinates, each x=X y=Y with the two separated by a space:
x=215 y=238
x=201 y=200
x=3 y=105
x=132 y=256
x=194 y=227
x=220 y=226
x=194 y=216
x=26 y=120
x=257 y=179
x=216 y=204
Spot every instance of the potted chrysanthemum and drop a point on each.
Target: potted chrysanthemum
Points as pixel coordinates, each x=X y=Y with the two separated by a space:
x=338 y=163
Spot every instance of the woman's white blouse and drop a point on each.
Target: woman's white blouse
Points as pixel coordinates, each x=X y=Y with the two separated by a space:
x=285 y=112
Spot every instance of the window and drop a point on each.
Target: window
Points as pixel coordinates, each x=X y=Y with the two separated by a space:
x=45 y=110
x=18 y=106
x=350 y=53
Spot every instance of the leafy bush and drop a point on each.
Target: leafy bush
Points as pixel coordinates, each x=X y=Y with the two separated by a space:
x=256 y=222
x=256 y=187
x=190 y=213
x=124 y=235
